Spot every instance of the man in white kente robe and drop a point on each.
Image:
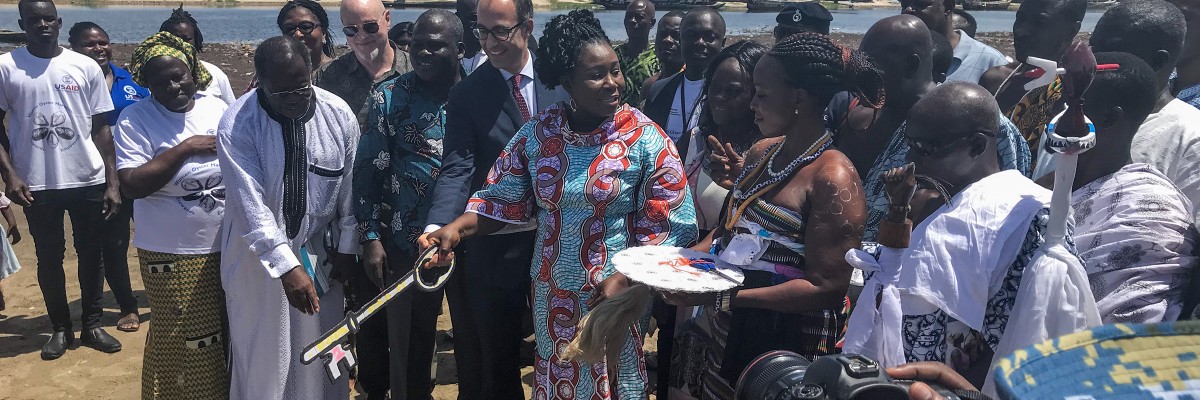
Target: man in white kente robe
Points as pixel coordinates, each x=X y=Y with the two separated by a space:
x=1133 y=232
x=977 y=279
x=286 y=152
x=1133 y=227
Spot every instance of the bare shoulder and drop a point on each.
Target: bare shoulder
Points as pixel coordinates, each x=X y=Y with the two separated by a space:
x=833 y=167
x=758 y=150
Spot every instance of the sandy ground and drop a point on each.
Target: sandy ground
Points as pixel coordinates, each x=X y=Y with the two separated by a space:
x=84 y=373
x=88 y=374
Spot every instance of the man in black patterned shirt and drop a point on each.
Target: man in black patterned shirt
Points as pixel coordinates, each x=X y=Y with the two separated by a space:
x=373 y=58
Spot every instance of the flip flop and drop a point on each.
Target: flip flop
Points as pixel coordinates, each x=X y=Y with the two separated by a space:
x=131 y=318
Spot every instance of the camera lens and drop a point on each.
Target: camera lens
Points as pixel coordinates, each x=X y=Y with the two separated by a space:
x=772 y=375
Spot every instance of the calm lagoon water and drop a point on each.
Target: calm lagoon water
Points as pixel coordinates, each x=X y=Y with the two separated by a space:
x=131 y=24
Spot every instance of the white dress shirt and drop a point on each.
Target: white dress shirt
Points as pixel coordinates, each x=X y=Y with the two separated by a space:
x=470 y=64
x=527 y=88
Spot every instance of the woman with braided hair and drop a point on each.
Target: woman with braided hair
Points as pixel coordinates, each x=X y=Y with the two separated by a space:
x=181 y=24
x=793 y=212
x=599 y=176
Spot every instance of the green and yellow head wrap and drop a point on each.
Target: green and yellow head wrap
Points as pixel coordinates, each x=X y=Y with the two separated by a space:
x=166 y=44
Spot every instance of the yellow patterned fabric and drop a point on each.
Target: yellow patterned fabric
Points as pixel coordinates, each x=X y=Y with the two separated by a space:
x=166 y=44
x=186 y=347
x=1122 y=361
x=1033 y=112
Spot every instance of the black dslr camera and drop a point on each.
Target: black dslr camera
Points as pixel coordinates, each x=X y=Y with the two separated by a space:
x=784 y=375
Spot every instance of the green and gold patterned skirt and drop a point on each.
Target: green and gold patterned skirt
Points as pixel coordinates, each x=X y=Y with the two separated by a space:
x=186 y=348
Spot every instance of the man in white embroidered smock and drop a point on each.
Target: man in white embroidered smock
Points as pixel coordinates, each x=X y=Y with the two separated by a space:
x=285 y=152
x=977 y=279
x=1132 y=224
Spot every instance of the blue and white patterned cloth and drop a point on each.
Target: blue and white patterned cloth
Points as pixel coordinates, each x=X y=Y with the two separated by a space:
x=937 y=336
x=1190 y=95
x=1010 y=148
x=1135 y=238
x=971 y=59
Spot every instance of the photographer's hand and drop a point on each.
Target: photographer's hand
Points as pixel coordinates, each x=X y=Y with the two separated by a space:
x=929 y=372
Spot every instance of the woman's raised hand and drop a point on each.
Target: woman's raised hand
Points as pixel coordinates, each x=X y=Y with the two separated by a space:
x=724 y=162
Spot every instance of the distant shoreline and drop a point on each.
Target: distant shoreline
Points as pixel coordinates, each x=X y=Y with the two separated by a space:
x=538 y=4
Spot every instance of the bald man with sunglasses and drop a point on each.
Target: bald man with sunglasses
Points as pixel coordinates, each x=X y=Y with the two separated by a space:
x=373 y=58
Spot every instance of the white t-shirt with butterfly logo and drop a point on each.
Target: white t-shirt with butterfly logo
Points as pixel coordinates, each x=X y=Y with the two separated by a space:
x=184 y=216
x=50 y=103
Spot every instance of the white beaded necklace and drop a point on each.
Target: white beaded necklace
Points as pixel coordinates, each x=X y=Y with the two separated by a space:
x=810 y=154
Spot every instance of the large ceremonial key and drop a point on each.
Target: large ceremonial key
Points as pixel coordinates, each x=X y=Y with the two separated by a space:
x=334 y=347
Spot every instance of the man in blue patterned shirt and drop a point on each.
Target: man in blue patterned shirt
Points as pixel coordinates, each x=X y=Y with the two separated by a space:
x=1187 y=83
x=399 y=159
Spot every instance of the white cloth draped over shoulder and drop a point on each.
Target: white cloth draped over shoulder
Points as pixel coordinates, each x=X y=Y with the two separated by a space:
x=266 y=333
x=1134 y=238
x=958 y=259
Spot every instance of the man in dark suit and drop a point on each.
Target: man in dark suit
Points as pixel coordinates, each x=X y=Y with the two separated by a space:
x=489 y=298
x=673 y=103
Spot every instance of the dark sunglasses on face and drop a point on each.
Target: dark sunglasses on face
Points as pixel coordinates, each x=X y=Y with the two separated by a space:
x=926 y=147
x=370 y=27
x=305 y=28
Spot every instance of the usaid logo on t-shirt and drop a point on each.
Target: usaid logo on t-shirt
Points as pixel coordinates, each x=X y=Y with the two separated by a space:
x=131 y=94
x=68 y=84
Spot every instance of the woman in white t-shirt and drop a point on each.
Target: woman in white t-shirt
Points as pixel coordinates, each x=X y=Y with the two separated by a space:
x=726 y=118
x=167 y=162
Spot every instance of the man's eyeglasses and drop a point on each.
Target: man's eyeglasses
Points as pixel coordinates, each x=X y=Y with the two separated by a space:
x=370 y=27
x=501 y=33
x=926 y=147
x=305 y=91
x=305 y=28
